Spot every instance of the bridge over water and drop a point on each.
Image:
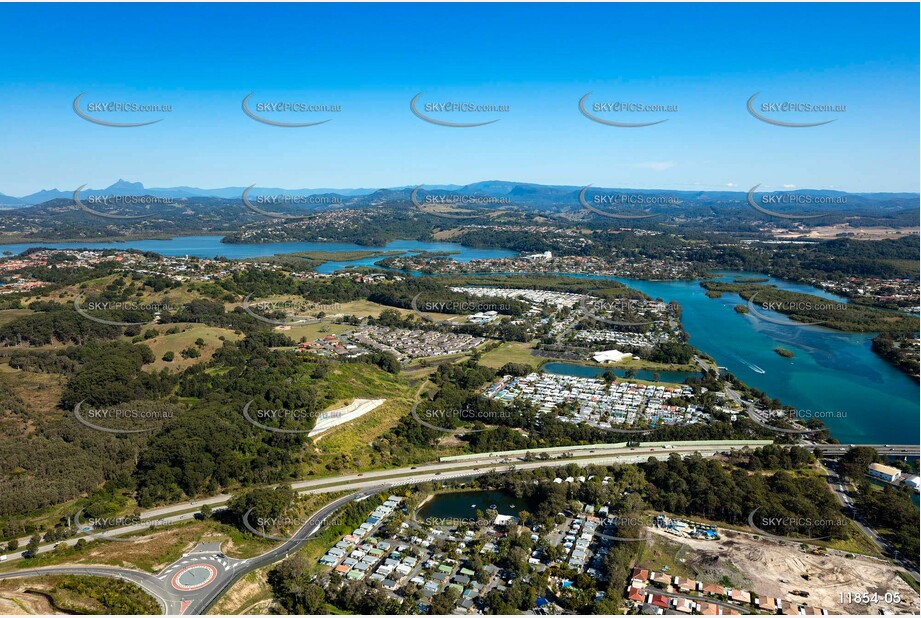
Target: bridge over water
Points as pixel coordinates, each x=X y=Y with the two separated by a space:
x=894 y=450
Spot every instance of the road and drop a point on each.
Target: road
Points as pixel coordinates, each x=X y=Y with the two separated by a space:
x=489 y=462
x=196 y=581
x=840 y=488
x=894 y=450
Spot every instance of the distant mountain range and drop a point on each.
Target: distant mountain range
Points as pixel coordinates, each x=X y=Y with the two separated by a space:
x=520 y=192
x=124 y=187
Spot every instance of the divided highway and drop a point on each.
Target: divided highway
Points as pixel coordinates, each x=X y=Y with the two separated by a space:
x=195 y=582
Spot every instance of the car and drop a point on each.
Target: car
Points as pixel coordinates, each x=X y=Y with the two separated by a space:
x=361 y=474
x=437 y=473
x=413 y=468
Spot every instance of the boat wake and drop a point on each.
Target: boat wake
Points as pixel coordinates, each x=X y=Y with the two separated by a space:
x=751 y=366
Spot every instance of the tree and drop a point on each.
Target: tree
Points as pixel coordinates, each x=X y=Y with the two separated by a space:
x=444 y=602
x=34 y=542
x=13 y=545
x=855 y=461
x=206 y=511
x=169 y=356
x=515 y=369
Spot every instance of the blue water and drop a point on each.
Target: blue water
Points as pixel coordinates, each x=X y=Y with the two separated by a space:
x=831 y=371
x=458 y=252
x=211 y=246
x=730 y=276
x=465 y=504
x=585 y=371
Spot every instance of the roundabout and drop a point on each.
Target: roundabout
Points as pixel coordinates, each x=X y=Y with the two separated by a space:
x=193 y=577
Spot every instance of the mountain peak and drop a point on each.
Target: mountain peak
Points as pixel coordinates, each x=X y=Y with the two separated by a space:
x=124 y=184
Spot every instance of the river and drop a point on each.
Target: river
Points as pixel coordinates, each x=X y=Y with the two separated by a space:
x=835 y=375
x=211 y=247
x=832 y=374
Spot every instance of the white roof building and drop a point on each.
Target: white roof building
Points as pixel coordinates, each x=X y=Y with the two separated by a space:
x=610 y=356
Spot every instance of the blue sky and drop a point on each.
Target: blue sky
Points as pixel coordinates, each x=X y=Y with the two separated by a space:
x=707 y=59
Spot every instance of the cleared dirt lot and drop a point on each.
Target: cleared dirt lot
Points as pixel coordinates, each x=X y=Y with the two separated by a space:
x=827 y=232
x=15 y=601
x=763 y=563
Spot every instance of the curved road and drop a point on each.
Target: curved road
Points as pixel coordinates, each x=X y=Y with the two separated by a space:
x=197 y=580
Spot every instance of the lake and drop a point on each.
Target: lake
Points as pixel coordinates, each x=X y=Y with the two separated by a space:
x=465 y=504
x=586 y=371
x=211 y=246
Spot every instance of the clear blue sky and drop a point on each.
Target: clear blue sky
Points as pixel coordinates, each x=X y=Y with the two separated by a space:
x=538 y=59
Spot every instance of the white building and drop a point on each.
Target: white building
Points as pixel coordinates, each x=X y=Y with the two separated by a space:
x=611 y=356
x=884 y=473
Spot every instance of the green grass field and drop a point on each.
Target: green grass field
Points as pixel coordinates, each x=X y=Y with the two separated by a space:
x=187 y=336
x=512 y=352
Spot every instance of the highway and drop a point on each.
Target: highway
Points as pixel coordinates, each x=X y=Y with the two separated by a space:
x=894 y=450
x=197 y=580
x=489 y=462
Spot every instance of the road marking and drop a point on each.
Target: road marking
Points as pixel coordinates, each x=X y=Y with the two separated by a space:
x=195 y=575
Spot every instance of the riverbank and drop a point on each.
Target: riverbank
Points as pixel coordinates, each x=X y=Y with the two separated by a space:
x=832 y=371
